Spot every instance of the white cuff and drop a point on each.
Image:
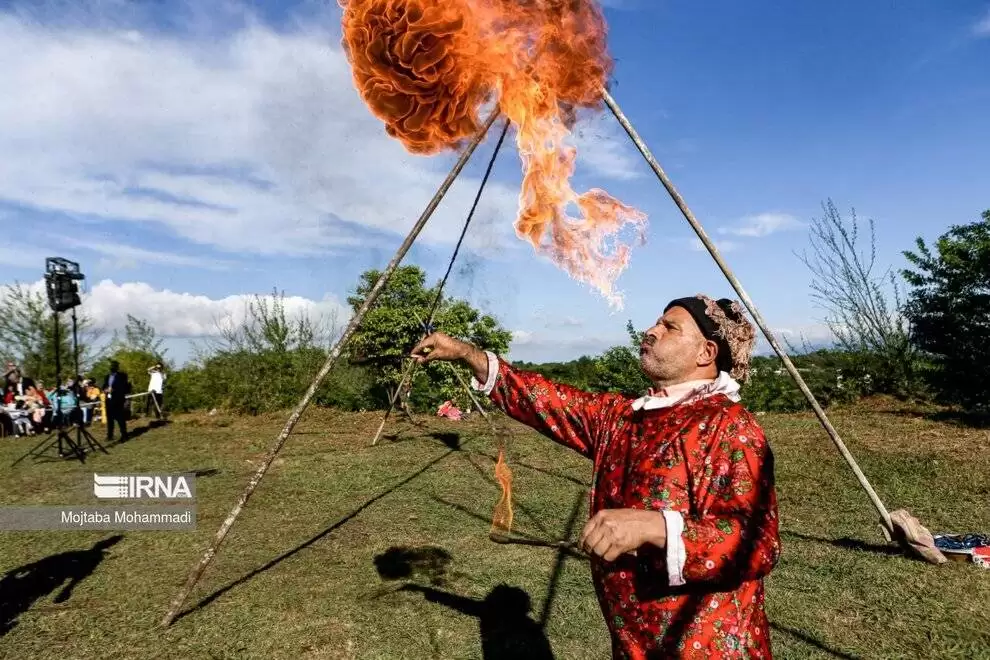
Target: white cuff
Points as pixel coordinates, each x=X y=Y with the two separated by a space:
x=676 y=552
x=492 y=373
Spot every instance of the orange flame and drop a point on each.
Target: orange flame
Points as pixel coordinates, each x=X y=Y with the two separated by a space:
x=426 y=68
x=502 y=516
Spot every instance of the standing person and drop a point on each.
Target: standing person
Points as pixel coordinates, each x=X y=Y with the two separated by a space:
x=156 y=390
x=116 y=386
x=683 y=524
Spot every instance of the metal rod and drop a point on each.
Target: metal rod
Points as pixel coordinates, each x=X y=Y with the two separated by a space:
x=503 y=539
x=75 y=346
x=791 y=369
x=200 y=566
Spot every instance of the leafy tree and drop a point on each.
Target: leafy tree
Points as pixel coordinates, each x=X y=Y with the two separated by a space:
x=136 y=349
x=139 y=335
x=391 y=328
x=949 y=309
x=266 y=361
x=27 y=334
x=581 y=373
x=863 y=307
x=619 y=368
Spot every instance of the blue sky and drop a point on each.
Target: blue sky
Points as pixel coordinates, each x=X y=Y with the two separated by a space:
x=188 y=157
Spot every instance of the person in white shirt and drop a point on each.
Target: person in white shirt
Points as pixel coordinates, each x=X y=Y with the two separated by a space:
x=156 y=390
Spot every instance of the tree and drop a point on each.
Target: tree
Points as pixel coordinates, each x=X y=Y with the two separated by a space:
x=27 y=334
x=619 y=368
x=139 y=335
x=949 y=310
x=863 y=308
x=136 y=349
x=391 y=328
x=266 y=360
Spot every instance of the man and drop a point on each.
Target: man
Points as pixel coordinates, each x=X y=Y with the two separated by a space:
x=156 y=390
x=116 y=386
x=684 y=511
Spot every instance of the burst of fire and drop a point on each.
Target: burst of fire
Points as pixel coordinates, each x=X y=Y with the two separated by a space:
x=502 y=516
x=426 y=68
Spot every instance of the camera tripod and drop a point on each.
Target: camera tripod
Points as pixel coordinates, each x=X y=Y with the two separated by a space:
x=68 y=447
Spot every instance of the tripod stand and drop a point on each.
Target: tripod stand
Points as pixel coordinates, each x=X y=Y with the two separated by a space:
x=66 y=420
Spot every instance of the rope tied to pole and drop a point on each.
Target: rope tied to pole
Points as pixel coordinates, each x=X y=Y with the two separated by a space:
x=428 y=327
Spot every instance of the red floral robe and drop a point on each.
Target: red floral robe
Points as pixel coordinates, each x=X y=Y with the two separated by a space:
x=709 y=461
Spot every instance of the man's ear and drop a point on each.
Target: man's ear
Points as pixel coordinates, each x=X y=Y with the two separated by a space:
x=708 y=353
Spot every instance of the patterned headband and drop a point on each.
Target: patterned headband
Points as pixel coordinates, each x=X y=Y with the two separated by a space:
x=724 y=322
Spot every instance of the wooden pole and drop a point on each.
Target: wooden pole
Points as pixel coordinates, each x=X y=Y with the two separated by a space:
x=200 y=566
x=734 y=281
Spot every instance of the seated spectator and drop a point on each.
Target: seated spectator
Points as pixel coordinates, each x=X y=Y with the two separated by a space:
x=37 y=405
x=65 y=406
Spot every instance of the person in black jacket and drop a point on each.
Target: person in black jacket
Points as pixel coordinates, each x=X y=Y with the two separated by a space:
x=116 y=386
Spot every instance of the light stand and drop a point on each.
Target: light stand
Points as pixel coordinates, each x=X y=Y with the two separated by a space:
x=63 y=294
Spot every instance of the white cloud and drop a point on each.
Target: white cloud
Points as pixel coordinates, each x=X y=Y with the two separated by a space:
x=252 y=140
x=982 y=27
x=178 y=314
x=764 y=224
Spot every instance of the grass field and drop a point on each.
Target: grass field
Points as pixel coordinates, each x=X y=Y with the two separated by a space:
x=353 y=551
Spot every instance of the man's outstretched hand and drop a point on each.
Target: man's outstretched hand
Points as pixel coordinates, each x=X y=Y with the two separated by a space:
x=439 y=346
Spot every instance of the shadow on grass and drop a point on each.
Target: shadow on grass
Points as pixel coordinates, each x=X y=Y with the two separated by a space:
x=326 y=532
x=141 y=430
x=507 y=630
x=22 y=586
x=811 y=641
x=558 y=564
x=449 y=439
x=402 y=563
x=846 y=543
x=132 y=432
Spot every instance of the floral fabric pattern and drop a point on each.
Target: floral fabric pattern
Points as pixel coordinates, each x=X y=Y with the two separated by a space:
x=707 y=459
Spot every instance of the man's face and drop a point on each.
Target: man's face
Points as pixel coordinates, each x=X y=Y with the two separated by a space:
x=674 y=348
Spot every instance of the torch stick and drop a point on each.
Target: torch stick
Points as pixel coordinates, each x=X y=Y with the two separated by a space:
x=504 y=539
x=791 y=369
x=200 y=566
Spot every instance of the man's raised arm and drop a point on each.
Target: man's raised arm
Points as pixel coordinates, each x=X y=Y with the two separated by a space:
x=565 y=414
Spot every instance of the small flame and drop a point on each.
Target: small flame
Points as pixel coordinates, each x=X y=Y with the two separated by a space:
x=502 y=516
x=426 y=68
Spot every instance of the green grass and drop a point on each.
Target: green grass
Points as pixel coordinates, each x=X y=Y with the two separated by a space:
x=297 y=575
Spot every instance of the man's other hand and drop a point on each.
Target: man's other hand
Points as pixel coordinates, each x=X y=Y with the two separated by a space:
x=612 y=533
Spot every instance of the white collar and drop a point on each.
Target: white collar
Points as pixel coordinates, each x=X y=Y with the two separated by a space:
x=690 y=390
